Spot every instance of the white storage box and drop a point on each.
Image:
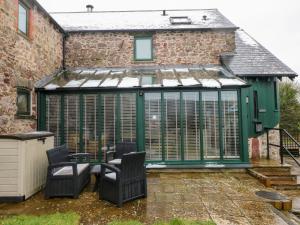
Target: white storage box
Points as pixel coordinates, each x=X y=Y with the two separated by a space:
x=23 y=164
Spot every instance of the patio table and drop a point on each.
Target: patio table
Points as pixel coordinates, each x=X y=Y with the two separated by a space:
x=96 y=171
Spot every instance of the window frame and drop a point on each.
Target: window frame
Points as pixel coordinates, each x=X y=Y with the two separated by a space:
x=26 y=7
x=28 y=93
x=146 y=37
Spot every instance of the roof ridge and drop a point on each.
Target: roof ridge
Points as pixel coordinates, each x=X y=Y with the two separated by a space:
x=142 y=10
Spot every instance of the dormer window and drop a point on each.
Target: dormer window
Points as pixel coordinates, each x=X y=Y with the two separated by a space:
x=178 y=20
x=23 y=16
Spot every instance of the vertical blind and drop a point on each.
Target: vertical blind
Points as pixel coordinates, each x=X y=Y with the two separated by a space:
x=71 y=122
x=174 y=123
x=53 y=111
x=230 y=119
x=90 y=128
x=210 y=111
x=128 y=117
x=153 y=144
x=191 y=129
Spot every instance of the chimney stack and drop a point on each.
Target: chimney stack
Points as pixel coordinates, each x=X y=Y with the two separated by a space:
x=89 y=8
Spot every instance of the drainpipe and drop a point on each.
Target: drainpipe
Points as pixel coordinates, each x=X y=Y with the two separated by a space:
x=65 y=35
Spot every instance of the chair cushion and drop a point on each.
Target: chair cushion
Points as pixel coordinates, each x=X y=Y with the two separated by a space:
x=115 y=161
x=112 y=175
x=67 y=170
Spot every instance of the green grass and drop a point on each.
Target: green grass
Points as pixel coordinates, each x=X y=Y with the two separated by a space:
x=73 y=219
x=53 y=219
x=172 y=222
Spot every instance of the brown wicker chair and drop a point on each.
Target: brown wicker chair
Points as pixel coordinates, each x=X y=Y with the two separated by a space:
x=126 y=183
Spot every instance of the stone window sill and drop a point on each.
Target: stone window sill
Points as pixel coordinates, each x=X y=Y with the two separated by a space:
x=143 y=61
x=25 y=117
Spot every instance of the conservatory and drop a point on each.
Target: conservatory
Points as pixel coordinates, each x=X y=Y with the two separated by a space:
x=178 y=115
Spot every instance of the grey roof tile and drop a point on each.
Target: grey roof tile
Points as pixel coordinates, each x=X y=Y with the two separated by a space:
x=252 y=59
x=141 y=20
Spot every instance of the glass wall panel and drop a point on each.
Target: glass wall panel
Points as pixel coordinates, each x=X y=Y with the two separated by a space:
x=90 y=130
x=71 y=122
x=108 y=113
x=128 y=117
x=172 y=126
x=230 y=120
x=191 y=130
x=53 y=110
x=210 y=125
x=153 y=144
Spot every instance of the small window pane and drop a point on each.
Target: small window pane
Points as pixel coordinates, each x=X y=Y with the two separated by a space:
x=143 y=49
x=23 y=103
x=22 y=19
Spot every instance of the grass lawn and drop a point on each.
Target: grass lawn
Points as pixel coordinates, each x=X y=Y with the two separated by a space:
x=54 y=219
x=74 y=219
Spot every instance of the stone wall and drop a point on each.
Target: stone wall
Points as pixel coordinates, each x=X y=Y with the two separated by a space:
x=258 y=146
x=115 y=49
x=24 y=60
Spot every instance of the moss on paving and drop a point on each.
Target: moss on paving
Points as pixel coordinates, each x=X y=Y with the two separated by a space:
x=54 y=219
x=172 y=222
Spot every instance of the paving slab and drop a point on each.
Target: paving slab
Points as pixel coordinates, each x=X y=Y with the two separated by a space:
x=226 y=198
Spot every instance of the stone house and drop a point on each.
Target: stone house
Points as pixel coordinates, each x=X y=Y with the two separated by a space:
x=188 y=86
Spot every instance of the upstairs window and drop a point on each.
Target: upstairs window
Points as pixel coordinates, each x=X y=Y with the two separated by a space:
x=23 y=18
x=23 y=102
x=143 y=48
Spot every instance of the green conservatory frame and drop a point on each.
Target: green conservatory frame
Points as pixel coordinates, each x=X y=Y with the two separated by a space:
x=140 y=120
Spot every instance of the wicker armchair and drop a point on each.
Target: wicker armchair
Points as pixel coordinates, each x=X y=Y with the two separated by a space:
x=120 y=149
x=65 y=176
x=126 y=183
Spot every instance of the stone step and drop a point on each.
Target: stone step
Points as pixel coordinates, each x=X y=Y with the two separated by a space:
x=276 y=173
x=286 y=187
x=281 y=182
x=274 y=169
x=283 y=178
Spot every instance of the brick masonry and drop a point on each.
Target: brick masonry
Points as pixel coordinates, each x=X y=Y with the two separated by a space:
x=24 y=60
x=115 y=49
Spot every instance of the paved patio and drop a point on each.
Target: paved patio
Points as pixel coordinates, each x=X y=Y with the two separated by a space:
x=226 y=198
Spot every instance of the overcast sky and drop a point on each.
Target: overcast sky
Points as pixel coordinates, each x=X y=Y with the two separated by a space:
x=273 y=23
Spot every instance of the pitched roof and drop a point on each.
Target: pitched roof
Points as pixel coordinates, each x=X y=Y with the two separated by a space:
x=141 y=20
x=144 y=77
x=252 y=59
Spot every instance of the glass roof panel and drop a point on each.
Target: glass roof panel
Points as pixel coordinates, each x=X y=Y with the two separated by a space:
x=150 y=78
x=212 y=77
x=169 y=78
x=92 y=83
